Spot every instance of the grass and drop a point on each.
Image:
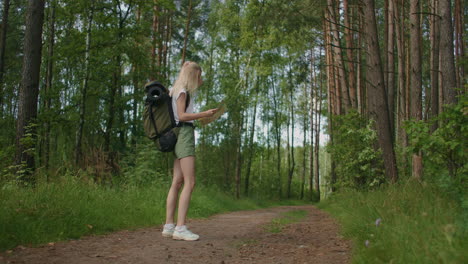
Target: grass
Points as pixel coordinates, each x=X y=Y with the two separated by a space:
x=72 y=208
x=277 y=224
x=405 y=223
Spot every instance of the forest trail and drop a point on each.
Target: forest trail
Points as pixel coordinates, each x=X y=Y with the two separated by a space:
x=236 y=237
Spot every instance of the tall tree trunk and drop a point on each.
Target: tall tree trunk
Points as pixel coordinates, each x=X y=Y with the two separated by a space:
x=277 y=128
x=291 y=160
x=160 y=39
x=391 y=66
x=360 y=67
x=304 y=152
x=251 y=143
x=317 y=138
x=136 y=87
x=349 y=51
x=311 y=116
x=84 y=90
x=166 y=43
x=338 y=57
x=154 y=40
x=434 y=72
x=48 y=86
x=447 y=59
x=376 y=92
x=3 y=35
x=416 y=78
x=401 y=105
x=111 y=108
x=29 y=89
x=187 y=27
x=333 y=100
x=459 y=41
x=239 y=156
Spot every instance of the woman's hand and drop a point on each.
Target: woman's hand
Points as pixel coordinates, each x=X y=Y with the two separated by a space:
x=210 y=113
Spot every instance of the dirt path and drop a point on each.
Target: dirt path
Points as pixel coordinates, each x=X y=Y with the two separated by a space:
x=238 y=237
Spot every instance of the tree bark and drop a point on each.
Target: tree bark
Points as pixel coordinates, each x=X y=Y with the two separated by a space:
x=311 y=114
x=29 y=90
x=447 y=59
x=155 y=32
x=48 y=86
x=401 y=97
x=277 y=128
x=459 y=42
x=378 y=106
x=391 y=66
x=84 y=90
x=239 y=156
x=338 y=57
x=435 y=42
x=291 y=160
x=416 y=78
x=3 y=35
x=349 y=51
x=136 y=87
x=251 y=143
x=187 y=27
x=317 y=139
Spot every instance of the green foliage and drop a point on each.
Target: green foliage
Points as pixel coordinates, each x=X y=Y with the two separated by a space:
x=358 y=164
x=403 y=223
x=75 y=206
x=444 y=150
x=147 y=166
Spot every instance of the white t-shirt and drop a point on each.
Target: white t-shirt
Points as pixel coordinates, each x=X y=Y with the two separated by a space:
x=174 y=105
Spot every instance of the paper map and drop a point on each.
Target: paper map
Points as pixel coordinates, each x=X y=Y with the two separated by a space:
x=221 y=110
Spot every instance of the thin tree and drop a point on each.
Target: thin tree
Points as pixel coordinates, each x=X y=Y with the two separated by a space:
x=48 y=84
x=313 y=103
x=291 y=160
x=459 y=41
x=29 y=89
x=3 y=35
x=401 y=54
x=187 y=28
x=154 y=39
x=416 y=78
x=447 y=58
x=391 y=65
x=318 y=110
x=251 y=140
x=84 y=89
x=434 y=72
x=349 y=53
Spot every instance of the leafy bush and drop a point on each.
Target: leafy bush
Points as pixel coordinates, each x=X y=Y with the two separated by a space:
x=444 y=150
x=358 y=163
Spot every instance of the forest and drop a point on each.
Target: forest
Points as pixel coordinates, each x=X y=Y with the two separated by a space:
x=324 y=99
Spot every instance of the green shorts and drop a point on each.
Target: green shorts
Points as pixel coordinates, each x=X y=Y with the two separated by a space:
x=185 y=145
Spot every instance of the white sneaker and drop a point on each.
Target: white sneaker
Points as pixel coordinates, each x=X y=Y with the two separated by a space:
x=168 y=230
x=185 y=235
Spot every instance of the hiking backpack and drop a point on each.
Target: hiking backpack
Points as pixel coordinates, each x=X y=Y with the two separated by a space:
x=158 y=117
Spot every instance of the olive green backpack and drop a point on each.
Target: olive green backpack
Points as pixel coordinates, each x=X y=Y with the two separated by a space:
x=158 y=117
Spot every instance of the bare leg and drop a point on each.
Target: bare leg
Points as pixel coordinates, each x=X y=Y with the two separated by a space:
x=187 y=165
x=171 y=201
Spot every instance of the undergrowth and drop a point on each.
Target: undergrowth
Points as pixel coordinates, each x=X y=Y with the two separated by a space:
x=404 y=223
x=72 y=207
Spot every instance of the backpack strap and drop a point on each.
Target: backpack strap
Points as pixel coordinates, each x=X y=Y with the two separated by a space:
x=152 y=120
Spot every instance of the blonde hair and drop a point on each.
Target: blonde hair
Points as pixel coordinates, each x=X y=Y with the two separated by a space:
x=188 y=79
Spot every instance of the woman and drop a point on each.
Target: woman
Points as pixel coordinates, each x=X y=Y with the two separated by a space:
x=188 y=81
